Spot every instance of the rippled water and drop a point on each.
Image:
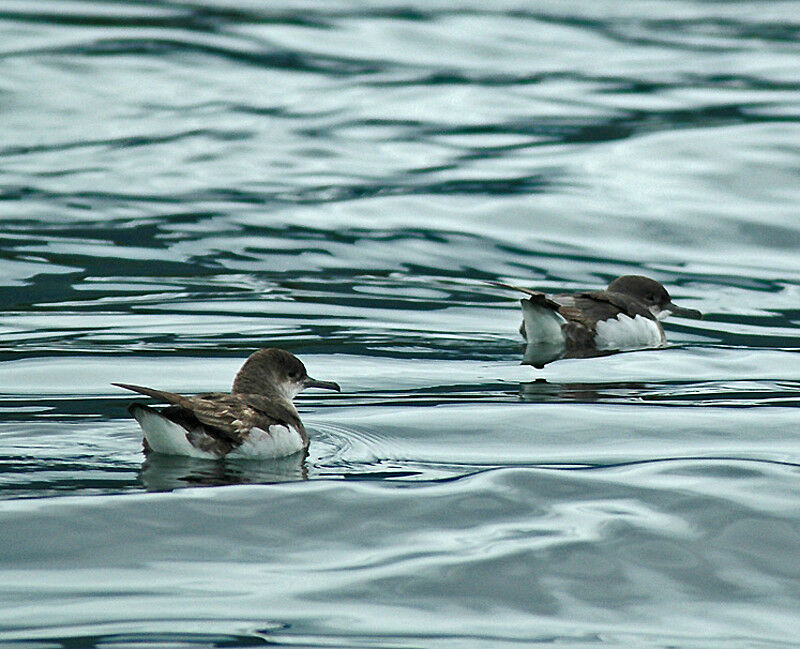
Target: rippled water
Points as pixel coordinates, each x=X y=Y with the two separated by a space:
x=184 y=182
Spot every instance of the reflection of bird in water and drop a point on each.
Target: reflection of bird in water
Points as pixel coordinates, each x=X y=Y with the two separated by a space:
x=543 y=391
x=256 y=420
x=166 y=472
x=591 y=323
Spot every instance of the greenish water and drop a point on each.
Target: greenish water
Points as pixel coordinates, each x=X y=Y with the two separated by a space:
x=182 y=183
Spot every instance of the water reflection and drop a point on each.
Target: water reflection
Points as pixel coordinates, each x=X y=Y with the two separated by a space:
x=540 y=354
x=729 y=394
x=617 y=392
x=185 y=182
x=168 y=472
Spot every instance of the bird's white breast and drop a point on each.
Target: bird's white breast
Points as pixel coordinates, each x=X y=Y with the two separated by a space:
x=278 y=441
x=624 y=332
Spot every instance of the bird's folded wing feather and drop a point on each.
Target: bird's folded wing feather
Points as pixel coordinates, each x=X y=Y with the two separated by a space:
x=624 y=303
x=272 y=410
x=230 y=414
x=588 y=308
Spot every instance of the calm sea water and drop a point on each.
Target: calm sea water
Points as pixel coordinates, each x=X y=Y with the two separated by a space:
x=185 y=182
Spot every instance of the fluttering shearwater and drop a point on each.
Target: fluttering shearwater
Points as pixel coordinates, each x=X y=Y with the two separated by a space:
x=257 y=419
x=624 y=316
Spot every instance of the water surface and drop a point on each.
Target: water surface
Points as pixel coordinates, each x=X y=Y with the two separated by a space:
x=185 y=182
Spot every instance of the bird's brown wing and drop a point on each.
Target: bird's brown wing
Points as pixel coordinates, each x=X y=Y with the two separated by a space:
x=610 y=304
x=229 y=414
x=587 y=313
x=590 y=307
x=272 y=410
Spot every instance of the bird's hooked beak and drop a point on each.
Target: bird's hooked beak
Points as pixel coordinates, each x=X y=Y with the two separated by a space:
x=325 y=385
x=683 y=312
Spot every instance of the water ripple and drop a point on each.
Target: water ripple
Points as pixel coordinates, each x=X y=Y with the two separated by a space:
x=184 y=182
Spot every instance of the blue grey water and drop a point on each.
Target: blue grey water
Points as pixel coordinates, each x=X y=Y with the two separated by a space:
x=183 y=182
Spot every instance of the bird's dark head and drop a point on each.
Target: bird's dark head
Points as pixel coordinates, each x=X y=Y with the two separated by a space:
x=652 y=294
x=270 y=371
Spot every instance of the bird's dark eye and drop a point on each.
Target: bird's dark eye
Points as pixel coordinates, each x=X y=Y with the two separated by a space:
x=651 y=298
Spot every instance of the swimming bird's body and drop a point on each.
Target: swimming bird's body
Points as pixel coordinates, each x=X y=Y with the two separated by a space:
x=257 y=419
x=624 y=316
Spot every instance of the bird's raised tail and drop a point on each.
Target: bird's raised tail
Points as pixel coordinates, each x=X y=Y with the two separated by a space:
x=541 y=320
x=169 y=397
x=511 y=287
x=537 y=297
x=172 y=430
